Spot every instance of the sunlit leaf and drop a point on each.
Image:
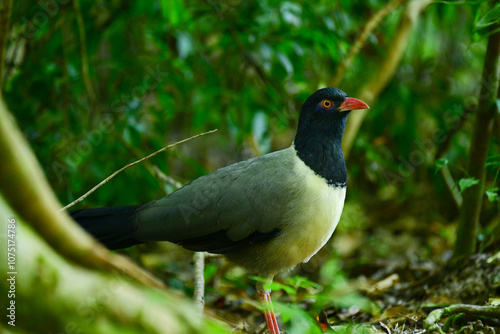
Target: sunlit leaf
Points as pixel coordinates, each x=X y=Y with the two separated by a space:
x=490 y=18
x=291 y=13
x=260 y=132
x=298 y=320
x=174 y=11
x=276 y=286
x=467 y=183
x=493 y=161
x=440 y=163
x=210 y=271
x=492 y=194
x=303 y=282
x=287 y=64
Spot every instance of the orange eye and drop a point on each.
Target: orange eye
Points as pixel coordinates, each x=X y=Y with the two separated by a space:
x=327 y=104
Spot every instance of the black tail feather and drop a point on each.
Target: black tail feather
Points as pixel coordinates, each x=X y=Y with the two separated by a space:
x=111 y=226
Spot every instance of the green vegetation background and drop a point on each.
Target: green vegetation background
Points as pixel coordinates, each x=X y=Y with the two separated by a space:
x=156 y=72
x=97 y=87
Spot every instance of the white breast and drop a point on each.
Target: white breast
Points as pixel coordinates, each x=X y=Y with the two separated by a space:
x=317 y=213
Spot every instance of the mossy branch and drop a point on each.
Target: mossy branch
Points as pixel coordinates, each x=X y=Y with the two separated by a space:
x=87 y=301
x=25 y=187
x=435 y=316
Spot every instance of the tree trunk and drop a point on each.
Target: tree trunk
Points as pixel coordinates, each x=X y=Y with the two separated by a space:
x=472 y=197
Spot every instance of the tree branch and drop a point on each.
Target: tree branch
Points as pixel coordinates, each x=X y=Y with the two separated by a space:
x=358 y=44
x=26 y=189
x=165 y=178
x=431 y=325
x=370 y=91
x=81 y=198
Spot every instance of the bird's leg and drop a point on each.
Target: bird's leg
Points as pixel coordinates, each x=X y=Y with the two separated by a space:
x=267 y=308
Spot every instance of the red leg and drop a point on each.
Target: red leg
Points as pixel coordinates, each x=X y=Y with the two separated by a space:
x=267 y=308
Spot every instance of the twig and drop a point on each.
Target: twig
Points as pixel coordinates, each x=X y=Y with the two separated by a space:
x=199 y=280
x=358 y=44
x=83 y=51
x=384 y=326
x=431 y=322
x=130 y=165
x=165 y=178
x=451 y=185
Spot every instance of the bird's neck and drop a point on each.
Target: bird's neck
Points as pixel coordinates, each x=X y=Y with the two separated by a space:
x=321 y=150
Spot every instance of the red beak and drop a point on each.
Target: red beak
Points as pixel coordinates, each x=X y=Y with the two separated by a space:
x=351 y=103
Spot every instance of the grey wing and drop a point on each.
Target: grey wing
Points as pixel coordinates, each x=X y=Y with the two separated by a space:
x=228 y=209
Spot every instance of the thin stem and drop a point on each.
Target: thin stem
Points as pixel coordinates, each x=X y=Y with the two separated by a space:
x=83 y=51
x=81 y=198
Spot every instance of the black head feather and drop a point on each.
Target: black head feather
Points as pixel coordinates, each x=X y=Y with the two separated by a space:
x=313 y=114
x=319 y=135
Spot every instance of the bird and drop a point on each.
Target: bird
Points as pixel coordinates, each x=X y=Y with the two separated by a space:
x=266 y=214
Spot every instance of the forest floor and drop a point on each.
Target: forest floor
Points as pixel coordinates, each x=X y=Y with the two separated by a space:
x=404 y=298
x=354 y=288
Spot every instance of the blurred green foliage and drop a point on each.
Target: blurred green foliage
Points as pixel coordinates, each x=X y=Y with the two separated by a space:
x=160 y=71
x=163 y=70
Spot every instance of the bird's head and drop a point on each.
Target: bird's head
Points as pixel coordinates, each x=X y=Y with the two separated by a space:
x=326 y=107
x=319 y=135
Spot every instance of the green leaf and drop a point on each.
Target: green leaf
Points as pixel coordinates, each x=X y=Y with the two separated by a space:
x=493 y=161
x=174 y=11
x=275 y=286
x=467 y=183
x=210 y=271
x=298 y=320
x=492 y=194
x=440 y=163
x=491 y=17
x=302 y=282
